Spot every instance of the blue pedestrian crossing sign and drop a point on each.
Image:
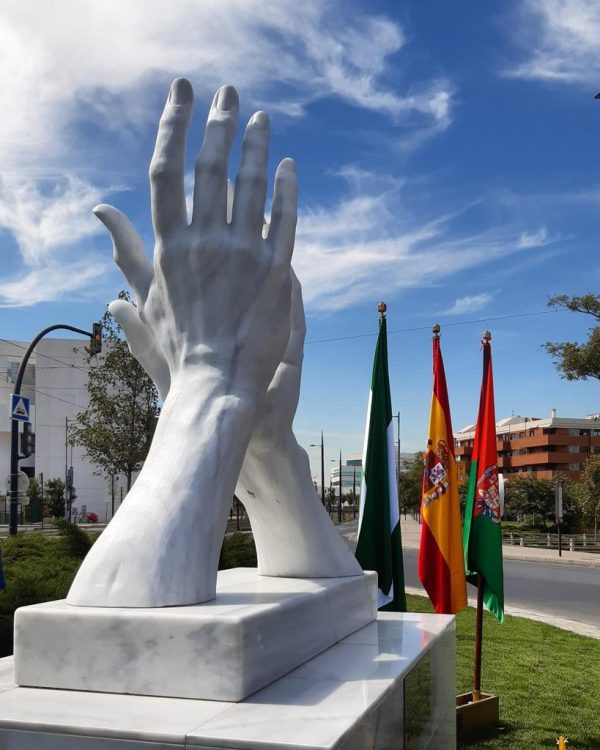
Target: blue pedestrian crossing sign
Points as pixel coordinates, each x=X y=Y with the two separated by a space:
x=19 y=408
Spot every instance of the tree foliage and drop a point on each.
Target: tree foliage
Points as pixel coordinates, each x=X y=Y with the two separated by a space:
x=411 y=484
x=117 y=427
x=588 y=492
x=527 y=495
x=55 y=494
x=578 y=361
x=34 y=509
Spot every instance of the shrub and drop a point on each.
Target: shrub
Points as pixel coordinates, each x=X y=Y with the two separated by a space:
x=40 y=568
x=74 y=541
x=238 y=551
x=37 y=569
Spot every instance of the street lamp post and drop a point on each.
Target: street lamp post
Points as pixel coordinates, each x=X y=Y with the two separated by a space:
x=315 y=445
x=340 y=502
x=14 y=431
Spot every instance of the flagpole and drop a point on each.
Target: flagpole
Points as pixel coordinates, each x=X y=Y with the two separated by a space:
x=479 y=615
x=478 y=640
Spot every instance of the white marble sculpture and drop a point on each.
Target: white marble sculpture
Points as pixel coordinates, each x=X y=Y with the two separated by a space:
x=219 y=326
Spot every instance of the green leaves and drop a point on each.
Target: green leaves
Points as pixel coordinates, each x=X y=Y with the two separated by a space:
x=411 y=484
x=588 y=492
x=577 y=361
x=116 y=429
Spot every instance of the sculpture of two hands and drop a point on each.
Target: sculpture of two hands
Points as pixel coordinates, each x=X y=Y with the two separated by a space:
x=219 y=327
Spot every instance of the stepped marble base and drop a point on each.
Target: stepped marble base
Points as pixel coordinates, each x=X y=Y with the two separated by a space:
x=390 y=685
x=256 y=630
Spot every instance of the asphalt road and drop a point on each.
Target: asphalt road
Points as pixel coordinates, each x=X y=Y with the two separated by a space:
x=560 y=590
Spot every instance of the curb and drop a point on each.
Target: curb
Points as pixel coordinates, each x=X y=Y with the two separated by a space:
x=554 y=561
x=590 y=631
x=593 y=563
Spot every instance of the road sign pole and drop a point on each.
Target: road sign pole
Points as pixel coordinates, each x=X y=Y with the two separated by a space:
x=558 y=512
x=14 y=477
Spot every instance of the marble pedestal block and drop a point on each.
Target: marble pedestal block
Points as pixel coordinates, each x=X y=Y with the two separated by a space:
x=388 y=686
x=256 y=630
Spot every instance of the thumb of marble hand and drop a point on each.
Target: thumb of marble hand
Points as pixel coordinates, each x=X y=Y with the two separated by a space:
x=142 y=345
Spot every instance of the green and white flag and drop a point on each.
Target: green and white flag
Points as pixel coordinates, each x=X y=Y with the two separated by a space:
x=379 y=545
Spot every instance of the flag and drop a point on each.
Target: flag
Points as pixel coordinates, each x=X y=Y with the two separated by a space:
x=482 y=534
x=441 y=563
x=379 y=545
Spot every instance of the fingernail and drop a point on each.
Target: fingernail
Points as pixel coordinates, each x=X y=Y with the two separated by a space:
x=227 y=98
x=259 y=120
x=181 y=92
x=288 y=164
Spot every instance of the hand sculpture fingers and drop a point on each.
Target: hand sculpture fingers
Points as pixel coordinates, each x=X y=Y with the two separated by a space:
x=284 y=212
x=210 y=188
x=251 y=180
x=216 y=289
x=167 y=167
x=142 y=344
x=128 y=250
x=295 y=348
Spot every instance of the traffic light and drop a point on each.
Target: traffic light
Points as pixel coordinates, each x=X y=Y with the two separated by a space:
x=96 y=339
x=27 y=441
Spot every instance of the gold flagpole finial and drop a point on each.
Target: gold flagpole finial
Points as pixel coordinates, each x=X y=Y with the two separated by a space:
x=381 y=308
x=487 y=336
x=436 y=328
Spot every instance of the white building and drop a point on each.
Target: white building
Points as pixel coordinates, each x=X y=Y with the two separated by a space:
x=56 y=384
x=351 y=472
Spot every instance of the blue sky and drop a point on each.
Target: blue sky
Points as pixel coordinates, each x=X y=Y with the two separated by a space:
x=447 y=157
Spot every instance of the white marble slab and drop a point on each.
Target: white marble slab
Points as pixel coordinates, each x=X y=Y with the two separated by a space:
x=350 y=697
x=7 y=673
x=256 y=630
x=104 y=715
x=17 y=740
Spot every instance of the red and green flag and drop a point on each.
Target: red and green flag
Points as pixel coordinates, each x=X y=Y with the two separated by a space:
x=441 y=565
x=482 y=533
x=379 y=544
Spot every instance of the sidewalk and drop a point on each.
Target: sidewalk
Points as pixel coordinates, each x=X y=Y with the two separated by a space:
x=411 y=534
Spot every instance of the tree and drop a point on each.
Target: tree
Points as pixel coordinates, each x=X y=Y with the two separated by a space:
x=117 y=427
x=330 y=498
x=588 y=492
x=411 y=484
x=55 y=493
x=34 y=508
x=578 y=361
x=527 y=495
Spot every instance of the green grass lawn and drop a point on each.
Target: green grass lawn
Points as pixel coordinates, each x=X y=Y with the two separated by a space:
x=548 y=681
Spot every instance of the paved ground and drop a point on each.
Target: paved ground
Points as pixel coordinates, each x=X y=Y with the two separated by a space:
x=539 y=585
x=411 y=534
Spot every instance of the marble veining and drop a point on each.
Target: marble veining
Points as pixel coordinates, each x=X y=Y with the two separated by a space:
x=256 y=630
x=348 y=697
x=219 y=326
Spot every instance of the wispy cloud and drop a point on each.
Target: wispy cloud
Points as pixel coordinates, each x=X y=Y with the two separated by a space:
x=50 y=282
x=562 y=38
x=66 y=63
x=469 y=304
x=71 y=69
x=46 y=215
x=49 y=219
x=358 y=249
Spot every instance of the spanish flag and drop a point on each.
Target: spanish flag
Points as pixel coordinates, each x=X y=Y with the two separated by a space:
x=441 y=562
